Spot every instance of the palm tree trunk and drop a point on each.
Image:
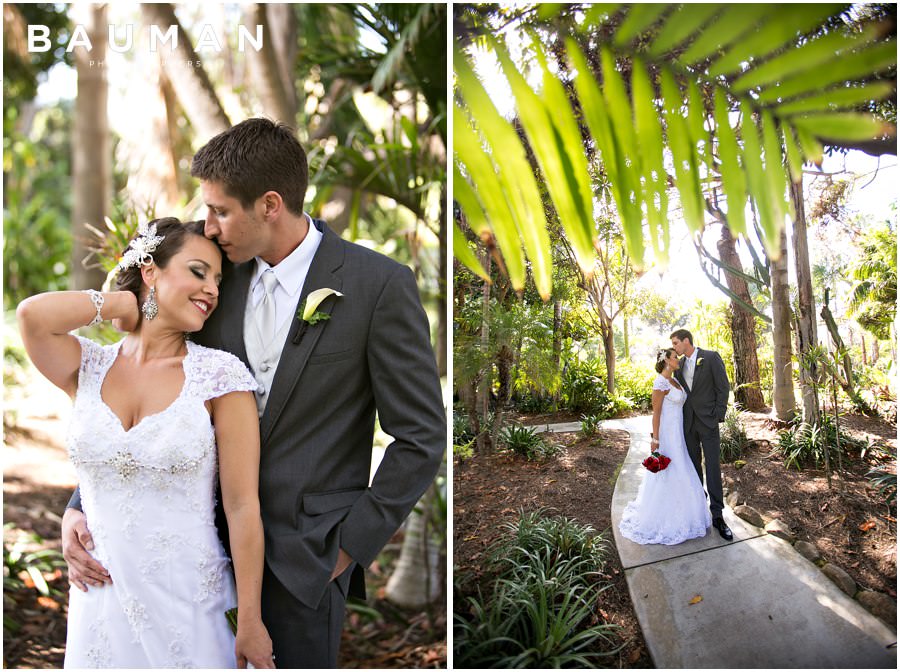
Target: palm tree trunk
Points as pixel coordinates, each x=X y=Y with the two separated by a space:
x=192 y=85
x=609 y=351
x=747 y=390
x=267 y=70
x=783 y=402
x=484 y=443
x=442 y=290
x=416 y=581
x=806 y=314
x=91 y=150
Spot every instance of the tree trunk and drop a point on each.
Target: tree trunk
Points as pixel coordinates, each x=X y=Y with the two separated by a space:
x=417 y=580
x=846 y=380
x=806 y=313
x=195 y=92
x=557 y=344
x=862 y=337
x=91 y=150
x=266 y=70
x=283 y=24
x=747 y=390
x=442 y=291
x=609 y=351
x=784 y=405
x=484 y=389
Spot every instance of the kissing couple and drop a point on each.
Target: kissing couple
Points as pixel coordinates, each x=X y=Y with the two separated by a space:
x=690 y=398
x=297 y=338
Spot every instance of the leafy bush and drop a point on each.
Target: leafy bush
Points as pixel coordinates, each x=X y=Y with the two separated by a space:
x=886 y=483
x=733 y=437
x=806 y=444
x=17 y=564
x=584 y=388
x=590 y=424
x=464 y=451
x=529 y=402
x=540 y=610
x=635 y=383
x=462 y=430
x=525 y=441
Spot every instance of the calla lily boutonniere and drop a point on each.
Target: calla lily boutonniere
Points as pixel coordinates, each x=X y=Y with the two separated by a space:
x=308 y=312
x=699 y=361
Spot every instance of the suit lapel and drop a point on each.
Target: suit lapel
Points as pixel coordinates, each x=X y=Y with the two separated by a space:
x=302 y=338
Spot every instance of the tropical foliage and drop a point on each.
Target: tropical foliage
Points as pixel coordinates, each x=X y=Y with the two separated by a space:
x=726 y=102
x=539 y=612
x=874 y=297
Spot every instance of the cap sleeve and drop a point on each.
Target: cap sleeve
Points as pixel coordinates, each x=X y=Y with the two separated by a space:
x=662 y=384
x=220 y=373
x=91 y=357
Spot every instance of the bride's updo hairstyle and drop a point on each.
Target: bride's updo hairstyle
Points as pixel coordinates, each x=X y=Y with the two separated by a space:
x=175 y=233
x=661 y=358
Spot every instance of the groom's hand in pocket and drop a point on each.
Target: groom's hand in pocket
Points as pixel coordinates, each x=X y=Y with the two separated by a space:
x=343 y=562
x=76 y=540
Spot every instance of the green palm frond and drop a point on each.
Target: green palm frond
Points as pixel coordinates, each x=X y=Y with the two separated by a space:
x=674 y=100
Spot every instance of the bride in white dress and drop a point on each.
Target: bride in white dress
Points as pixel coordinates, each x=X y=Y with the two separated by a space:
x=155 y=416
x=670 y=506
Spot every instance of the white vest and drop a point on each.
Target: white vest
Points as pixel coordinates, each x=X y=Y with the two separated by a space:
x=263 y=357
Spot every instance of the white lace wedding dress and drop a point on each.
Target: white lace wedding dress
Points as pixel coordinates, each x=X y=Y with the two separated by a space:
x=670 y=506
x=149 y=496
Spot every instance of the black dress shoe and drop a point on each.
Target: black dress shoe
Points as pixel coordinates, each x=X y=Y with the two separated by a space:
x=724 y=530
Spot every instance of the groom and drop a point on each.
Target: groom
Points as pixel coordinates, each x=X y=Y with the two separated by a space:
x=702 y=374
x=320 y=383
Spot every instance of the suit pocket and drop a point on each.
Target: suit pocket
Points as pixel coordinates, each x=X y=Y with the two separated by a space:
x=330 y=357
x=317 y=503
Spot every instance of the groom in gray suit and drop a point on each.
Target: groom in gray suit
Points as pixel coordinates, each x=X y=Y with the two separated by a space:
x=702 y=374
x=364 y=347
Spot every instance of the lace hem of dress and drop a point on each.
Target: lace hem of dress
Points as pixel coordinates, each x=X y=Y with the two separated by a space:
x=669 y=537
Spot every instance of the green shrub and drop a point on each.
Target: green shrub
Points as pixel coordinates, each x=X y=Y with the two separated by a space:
x=635 y=383
x=540 y=612
x=886 y=483
x=529 y=402
x=806 y=444
x=590 y=424
x=526 y=442
x=584 y=388
x=462 y=430
x=464 y=451
x=733 y=437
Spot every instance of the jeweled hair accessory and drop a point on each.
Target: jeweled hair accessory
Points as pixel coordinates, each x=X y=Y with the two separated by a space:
x=140 y=252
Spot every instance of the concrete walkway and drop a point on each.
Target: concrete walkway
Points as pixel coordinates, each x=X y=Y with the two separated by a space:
x=763 y=604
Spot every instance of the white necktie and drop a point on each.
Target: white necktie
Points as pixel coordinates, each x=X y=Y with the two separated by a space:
x=689 y=374
x=267 y=307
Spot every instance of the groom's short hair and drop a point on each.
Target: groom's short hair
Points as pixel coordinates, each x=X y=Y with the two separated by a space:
x=253 y=157
x=682 y=334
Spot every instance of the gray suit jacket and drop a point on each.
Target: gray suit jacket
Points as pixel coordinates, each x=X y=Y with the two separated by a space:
x=707 y=399
x=373 y=353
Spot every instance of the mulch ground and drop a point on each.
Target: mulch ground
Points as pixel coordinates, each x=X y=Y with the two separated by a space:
x=849 y=523
x=37 y=485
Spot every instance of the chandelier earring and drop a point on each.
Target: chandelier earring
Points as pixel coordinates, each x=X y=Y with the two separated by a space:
x=150 y=308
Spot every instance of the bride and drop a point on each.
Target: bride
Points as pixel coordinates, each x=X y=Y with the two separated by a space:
x=670 y=506
x=154 y=416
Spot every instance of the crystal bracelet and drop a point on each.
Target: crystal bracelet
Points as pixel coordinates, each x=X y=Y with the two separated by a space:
x=97 y=299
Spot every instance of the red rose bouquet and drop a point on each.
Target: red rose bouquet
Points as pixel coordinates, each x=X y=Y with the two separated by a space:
x=656 y=462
